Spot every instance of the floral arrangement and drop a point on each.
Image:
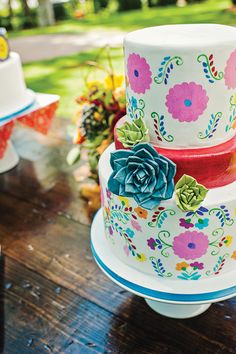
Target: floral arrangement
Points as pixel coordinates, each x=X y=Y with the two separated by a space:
x=100 y=107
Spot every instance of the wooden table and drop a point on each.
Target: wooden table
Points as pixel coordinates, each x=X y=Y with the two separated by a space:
x=56 y=298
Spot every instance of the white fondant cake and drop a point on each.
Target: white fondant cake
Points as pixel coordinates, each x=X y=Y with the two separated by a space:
x=14 y=95
x=158 y=218
x=181 y=79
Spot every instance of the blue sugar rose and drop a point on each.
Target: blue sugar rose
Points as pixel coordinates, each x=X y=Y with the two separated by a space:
x=143 y=174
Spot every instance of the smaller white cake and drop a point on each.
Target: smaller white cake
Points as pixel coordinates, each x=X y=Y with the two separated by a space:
x=14 y=95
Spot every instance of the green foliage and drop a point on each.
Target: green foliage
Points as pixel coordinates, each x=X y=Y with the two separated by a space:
x=61 y=10
x=126 y=5
x=166 y=2
x=6 y=22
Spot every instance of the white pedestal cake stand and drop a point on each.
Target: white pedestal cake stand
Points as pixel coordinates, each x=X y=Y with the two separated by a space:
x=9 y=160
x=171 y=298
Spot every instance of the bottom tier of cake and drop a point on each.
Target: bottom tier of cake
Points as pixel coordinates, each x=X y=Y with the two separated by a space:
x=166 y=240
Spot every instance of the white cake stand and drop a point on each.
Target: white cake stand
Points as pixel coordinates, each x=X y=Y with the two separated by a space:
x=171 y=298
x=10 y=159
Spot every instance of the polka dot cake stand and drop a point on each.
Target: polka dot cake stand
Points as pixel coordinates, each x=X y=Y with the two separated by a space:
x=171 y=298
x=10 y=159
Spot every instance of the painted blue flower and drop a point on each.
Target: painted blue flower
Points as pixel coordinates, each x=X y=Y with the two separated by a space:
x=202 y=223
x=129 y=232
x=143 y=174
x=134 y=102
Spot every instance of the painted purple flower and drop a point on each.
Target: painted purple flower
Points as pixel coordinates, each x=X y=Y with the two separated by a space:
x=151 y=243
x=190 y=245
x=136 y=225
x=108 y=193
x=139 y=73
x=230 y=69
x=185 y=223
x=186 y=101
x=197 y=265
x=110 y=230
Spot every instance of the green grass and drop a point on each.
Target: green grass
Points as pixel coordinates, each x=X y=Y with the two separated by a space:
x=211 y=11
x=66 y=77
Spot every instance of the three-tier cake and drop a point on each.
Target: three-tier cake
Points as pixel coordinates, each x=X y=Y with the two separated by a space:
x=168 y=183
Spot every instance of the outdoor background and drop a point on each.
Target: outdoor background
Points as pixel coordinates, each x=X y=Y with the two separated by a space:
x=55 y=38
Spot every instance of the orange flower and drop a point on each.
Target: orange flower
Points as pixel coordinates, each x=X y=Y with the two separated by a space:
x=78 y=138
x=103 y=146
x=234 y=124
x=181 y=266
x=142 y=213
x=234 y=255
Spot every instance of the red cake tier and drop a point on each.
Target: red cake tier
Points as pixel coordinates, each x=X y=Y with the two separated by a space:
x=213 y=166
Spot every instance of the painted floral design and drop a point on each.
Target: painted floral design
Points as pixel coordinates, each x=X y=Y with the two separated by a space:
x=189 y=194
x=159 y=268
x=142 y=174
x=202 y=223
x=186 y=101
x=142 y=213
x=135 y=108
x=136 y=225
x=233 y=256
x=230 y=77
x=167 y=65
x=186 y=223
x=212 y=126
x=218 y=266
x=128 y=224
x=139 y=73
x=232 y=116
x=190 y=245
x=209 y=69
x=159 y=128
x=189 y=271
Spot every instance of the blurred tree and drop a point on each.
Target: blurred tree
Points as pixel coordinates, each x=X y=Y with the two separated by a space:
x=45 y=13
x=27 y=18
x=126 y=5
x=166 y=2
x=100 y=4
x=10 y=10
x=25 y=8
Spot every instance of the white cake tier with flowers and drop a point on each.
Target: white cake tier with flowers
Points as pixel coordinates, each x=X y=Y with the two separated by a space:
x=181 y=80
x=167 y=241
x=14 y=95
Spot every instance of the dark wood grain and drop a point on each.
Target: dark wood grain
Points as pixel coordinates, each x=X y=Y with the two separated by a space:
x=56 y=298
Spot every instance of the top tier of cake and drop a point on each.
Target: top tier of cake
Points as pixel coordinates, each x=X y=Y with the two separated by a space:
x=181 y=79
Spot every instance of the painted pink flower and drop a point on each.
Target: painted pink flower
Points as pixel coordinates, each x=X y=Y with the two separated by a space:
x=186 y=101
x=139 y=73
x=126 y=250
x=190 y=245
x=136 y=225
x=230 y=71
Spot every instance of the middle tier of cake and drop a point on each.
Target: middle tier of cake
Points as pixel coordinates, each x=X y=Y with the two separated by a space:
x=211 y=166
x=167 y=241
